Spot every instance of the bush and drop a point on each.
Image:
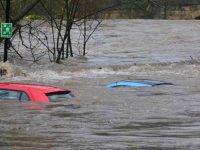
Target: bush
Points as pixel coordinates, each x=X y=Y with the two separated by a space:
x=33 y=17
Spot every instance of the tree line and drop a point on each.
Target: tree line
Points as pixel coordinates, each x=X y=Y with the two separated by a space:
x=126 y=5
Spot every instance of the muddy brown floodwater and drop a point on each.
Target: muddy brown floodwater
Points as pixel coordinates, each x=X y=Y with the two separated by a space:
x=161 y=117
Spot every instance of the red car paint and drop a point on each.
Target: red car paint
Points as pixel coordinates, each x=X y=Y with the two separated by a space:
x=35 y=92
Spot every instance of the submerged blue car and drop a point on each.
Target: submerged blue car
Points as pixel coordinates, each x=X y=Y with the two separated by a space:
x=136 y=83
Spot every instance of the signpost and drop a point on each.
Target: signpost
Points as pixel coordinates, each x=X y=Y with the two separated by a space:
x=6 y=30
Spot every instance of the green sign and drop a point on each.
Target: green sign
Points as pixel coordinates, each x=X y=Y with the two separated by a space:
x=6 y=30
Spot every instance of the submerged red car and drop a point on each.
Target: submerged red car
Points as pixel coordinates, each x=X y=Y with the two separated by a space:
x=33 y=92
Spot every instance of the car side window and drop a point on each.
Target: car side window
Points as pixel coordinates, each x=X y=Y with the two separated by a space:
x=23 y=97
x=13 y=95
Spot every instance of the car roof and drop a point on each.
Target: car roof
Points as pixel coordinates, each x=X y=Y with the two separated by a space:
x=25 y=86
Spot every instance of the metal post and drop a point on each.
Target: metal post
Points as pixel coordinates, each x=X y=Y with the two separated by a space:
x=7 y=40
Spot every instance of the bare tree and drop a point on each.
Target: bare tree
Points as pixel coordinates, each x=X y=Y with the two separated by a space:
x=56 y=41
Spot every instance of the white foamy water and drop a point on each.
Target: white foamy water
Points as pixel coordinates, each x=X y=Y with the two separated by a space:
x=129 y=47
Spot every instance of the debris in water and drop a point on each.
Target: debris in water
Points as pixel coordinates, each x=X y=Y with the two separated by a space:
x=6 y=69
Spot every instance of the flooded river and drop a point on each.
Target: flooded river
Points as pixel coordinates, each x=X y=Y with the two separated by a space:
x=160 y=117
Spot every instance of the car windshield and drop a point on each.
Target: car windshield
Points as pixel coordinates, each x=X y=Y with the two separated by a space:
x=59 y=96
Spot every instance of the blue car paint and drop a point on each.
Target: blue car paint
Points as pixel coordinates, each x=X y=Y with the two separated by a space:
x=144 y=83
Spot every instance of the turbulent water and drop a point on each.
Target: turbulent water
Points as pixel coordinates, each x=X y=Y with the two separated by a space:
x=161 y=117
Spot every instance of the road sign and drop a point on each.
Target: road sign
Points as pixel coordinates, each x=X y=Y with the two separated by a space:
x=6 y=30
